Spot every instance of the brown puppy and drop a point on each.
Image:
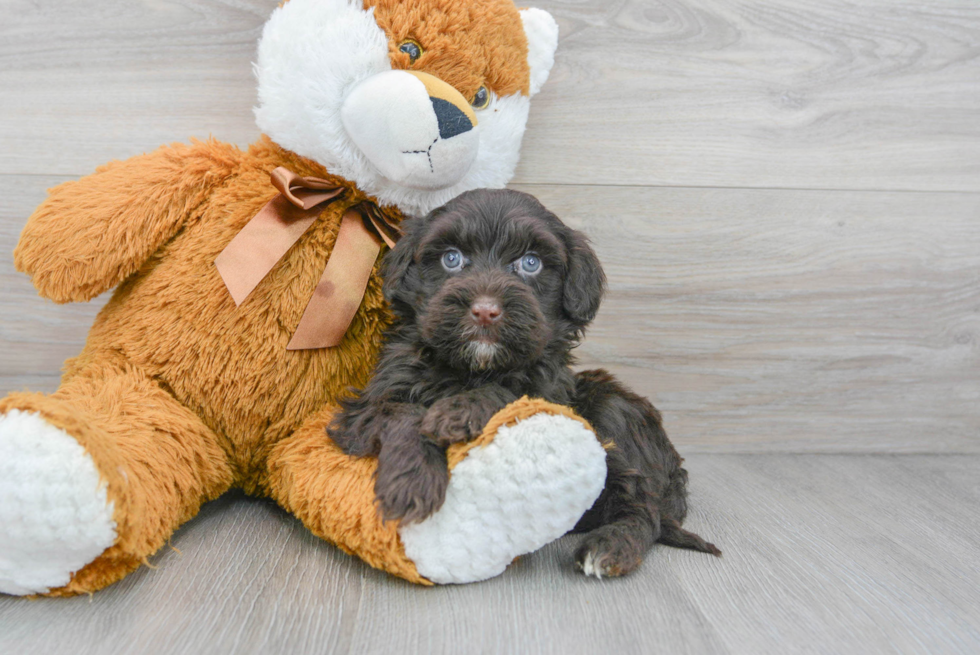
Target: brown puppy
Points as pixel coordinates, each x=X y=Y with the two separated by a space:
x=491 y=294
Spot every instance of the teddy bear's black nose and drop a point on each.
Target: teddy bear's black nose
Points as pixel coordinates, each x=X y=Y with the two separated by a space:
x=452 y=120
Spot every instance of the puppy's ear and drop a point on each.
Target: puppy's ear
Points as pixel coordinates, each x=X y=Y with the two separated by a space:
x=585 y=280
x=400 y=282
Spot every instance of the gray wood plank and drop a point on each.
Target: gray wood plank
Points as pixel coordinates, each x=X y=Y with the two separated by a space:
x=823 y=554
x=86 y=82
x=36 y=335
x=756 y=320
x=871 y=95
x=790 y=320
x=833 y=94
x=846 y=553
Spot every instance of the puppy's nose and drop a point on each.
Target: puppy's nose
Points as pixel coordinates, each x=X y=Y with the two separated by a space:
x=486 y=311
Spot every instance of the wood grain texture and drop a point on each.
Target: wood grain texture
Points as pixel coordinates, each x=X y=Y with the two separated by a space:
x=823 y=554
x=87 y=82
x=36 y=335
x=788 y=94
x=762 y=320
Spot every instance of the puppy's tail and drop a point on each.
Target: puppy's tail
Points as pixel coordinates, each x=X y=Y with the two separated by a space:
x=672 y=534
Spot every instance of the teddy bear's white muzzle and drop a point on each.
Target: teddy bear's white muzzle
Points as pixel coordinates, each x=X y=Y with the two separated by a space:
x=413 y=138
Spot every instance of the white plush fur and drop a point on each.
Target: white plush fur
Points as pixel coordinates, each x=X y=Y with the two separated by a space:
x=54 y=512
x=525 y=489
x=542 y=41
x=311 y=55
x=314 y=53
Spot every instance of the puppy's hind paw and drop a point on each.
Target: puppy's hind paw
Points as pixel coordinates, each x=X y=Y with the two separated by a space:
x=608 y=552
x=588 y=566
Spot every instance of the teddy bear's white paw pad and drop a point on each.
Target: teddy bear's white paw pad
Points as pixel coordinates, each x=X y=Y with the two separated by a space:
x=54 y=513
x=523 y=490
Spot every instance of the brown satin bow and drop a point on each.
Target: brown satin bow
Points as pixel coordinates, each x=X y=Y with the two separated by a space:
x=272 y=232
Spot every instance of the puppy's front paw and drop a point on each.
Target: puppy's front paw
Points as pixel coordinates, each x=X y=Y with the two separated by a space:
x=411 y=493
x=609 y=551
x=457 y=418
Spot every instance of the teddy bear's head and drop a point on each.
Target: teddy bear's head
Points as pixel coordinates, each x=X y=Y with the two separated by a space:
x=415 y=101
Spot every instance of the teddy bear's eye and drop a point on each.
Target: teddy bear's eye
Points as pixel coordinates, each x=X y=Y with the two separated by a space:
x=412 y=49
x=481 y=99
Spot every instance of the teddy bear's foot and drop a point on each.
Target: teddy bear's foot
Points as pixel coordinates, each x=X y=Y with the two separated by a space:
x=95 y=477
x=55 y=516
x=525 y=481
x=525 y=488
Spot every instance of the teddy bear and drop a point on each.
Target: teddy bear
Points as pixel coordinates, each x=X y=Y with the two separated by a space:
x=248 y=301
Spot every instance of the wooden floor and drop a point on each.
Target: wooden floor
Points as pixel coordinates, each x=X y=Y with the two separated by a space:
x=817 y=559
x=786 y=197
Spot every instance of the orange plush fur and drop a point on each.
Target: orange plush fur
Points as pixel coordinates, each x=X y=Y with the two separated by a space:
x=445 y=27
x=178 y=395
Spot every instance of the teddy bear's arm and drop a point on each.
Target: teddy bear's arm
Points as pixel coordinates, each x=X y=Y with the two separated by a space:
x=91 y=234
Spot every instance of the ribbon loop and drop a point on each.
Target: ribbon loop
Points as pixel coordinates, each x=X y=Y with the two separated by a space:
x=265 y=239
x=304 y=192
x=376 y=221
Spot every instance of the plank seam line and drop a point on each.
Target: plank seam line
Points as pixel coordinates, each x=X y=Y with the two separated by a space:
x=593 y=185
x=748 y=188
x=830 y=453
x=73 y=176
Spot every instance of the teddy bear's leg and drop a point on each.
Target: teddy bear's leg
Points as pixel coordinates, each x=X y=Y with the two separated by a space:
x=95 y=477
x=523 y=483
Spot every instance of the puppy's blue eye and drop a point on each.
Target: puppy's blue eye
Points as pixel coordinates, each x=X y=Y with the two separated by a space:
x=530 y=264
x=452 y=260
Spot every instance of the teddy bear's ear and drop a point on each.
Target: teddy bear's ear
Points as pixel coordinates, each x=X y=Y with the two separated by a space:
x=542 y=41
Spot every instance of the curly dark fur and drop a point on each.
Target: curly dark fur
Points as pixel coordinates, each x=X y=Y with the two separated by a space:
x=446 y=369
